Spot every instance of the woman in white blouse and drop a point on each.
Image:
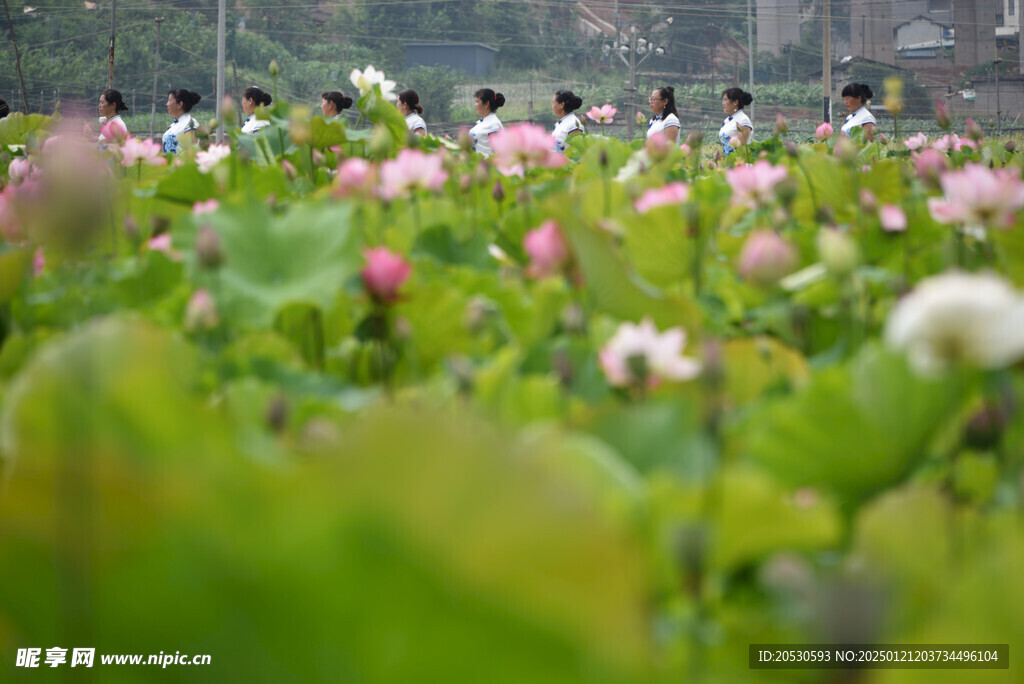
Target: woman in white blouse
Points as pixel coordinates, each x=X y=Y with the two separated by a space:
x=410 y=107
x=737 y=124
x=666 y=119
x=855 y=97
x=252 y=98
x=110 y=106
x=563 y=105
x=486 y=102
x=179 y=103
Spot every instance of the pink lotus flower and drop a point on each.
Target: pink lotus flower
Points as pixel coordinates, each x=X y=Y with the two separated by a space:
x=893 y=219
x=355 y=176
x=207 y=159
x=754 y=185
x=10 y=224
x=411 y=170
x=916 y=141
x=604 y=114
x=162 y=243
x=21 y=169
x=522 y=147
x=384 y=273
x=114 y=130
x=735 y=142
x=824 y=131
x=201 y=312
x=686 y=150
x=673 y=193
x=38 y=261
x=978 y=196
x=766 y=258
x=141 y=151
x=290 y=172
x=200 y=208
x=547 y=250
x=930 y=164
x=942 y=116
x=638 y=356
x=951 y=142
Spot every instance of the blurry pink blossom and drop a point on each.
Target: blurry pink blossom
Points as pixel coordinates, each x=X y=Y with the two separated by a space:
x=868 y=201
x=637 y=356
x=162 y=243
x=604 y=114
x=21 y=169
x=916 y=141
x=977 y=195
x=686 y=149
x=735 y=142
x=411 y=170
x=942 y=116
x=355 y=175
x=145 y=151
x=766 y=258
x=754 y=185
x=930 y=164
x=951 y=142
x=384 y=273
x=38 y=261
x=290 y=172
x=201 y=312
x=207 y=159
x=114 y=130
x=893 y=219
x=673 y=193
x=824 y=131
x=522 y=147
x=10 y=224
x=206 y=207
x=547 y=250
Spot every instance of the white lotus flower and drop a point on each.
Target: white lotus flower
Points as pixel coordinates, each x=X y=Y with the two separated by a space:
x=638 y=354
x=973 y=318
x=365 y=80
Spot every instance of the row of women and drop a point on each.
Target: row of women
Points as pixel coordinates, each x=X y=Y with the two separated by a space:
x=737 y=128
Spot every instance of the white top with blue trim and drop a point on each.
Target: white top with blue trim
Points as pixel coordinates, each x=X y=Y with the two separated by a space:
x=414 y=121
x=731 y=128
x=252 y=124
x=180 y=126
x=566 y=125
x=660 y=122
x=482 y=131
x=857 y=120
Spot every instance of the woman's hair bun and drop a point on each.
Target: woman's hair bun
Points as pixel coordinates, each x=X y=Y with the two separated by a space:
x=747 y=99
x=499 y=100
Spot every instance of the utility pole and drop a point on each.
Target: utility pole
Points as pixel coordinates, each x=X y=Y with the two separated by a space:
x=999 y=112
x=750 y=54
x=110 y=53
x=221 y=31
x=156 y=71
x=826 y=62
x=17 y=59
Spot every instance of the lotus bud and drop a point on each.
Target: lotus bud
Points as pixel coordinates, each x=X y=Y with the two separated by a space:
x=273 y=68
x=868 y=201
x=201 y=312
x=974 y=131
x=838 y=251
x=498 y=191
x=781 y=125
x=791 y=149
x=209 y=252
x=277 y=413
x=942 y=116
x=465 y=142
